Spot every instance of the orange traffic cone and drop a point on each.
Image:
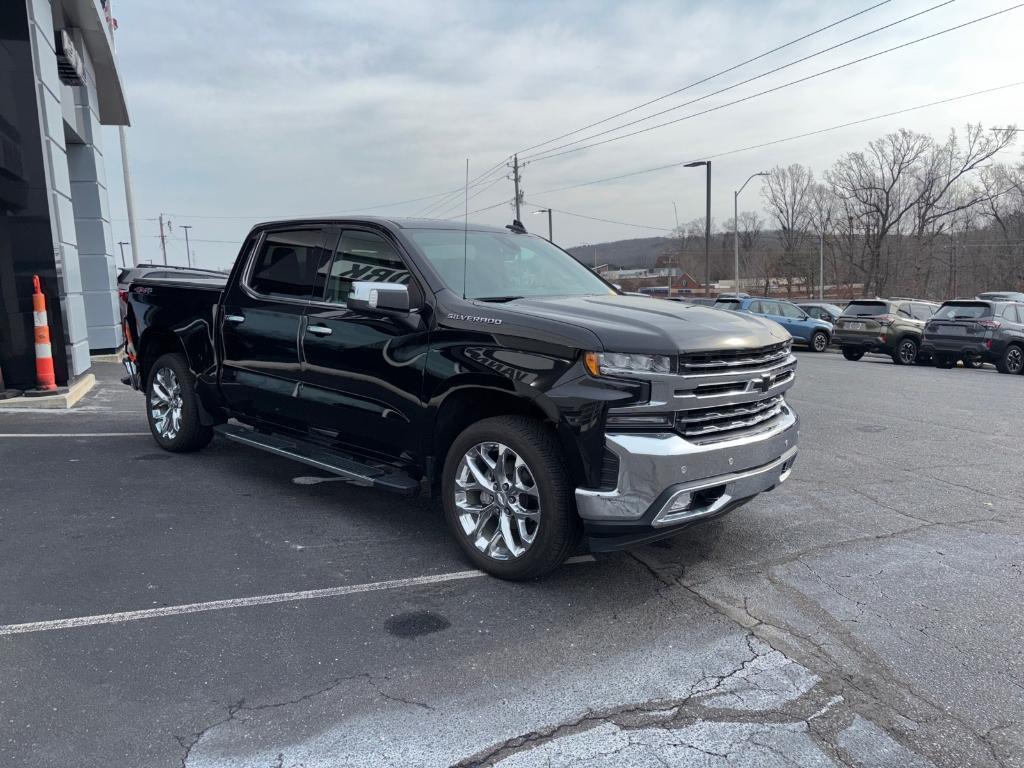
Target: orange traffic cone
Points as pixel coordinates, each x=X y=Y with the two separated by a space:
x=46 y=380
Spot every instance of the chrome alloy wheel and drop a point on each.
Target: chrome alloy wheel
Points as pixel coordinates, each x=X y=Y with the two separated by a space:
x=820 y=342
x=498 y=501
x=1014 y=360
x=165 y=403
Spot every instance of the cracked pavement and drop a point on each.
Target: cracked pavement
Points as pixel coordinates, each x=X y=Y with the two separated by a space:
x=867 y=614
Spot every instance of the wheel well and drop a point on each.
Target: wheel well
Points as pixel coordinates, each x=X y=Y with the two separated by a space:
x=468 y=406
x=156 y=342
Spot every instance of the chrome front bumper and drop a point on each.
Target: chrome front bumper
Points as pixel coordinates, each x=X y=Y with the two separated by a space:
x=665 y=480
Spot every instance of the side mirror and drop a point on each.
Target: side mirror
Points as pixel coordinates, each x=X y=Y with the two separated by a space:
x=379 y=298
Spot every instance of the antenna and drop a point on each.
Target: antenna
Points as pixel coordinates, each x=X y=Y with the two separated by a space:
x=465 y=233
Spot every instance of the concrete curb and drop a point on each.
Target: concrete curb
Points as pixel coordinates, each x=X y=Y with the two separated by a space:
x=75 y=392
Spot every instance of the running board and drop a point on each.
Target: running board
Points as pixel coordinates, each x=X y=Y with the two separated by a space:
x=381 y=476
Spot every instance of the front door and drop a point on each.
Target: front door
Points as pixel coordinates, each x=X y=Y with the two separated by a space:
x=260 y=323
x=362 y=376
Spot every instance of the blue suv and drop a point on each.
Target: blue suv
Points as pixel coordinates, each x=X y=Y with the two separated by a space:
x=804 y=329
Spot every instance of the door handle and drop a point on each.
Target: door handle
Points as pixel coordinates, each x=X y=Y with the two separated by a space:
x=319 y=330
x=234 y=319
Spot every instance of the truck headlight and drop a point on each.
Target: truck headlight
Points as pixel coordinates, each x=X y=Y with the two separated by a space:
x=605 y=363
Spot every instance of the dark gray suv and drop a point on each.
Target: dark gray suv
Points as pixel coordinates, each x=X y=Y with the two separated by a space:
x=977 y=331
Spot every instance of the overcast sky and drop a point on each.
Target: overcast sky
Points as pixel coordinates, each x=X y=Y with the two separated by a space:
x=263 y=109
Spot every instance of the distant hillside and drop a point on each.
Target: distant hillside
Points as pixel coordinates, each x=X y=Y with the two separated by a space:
x=627 y=254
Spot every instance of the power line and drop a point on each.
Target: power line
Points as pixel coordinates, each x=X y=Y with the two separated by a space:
x=773 y=142
x=606 y=221
x=779 y=87
x=720 y=91
x=706 y=79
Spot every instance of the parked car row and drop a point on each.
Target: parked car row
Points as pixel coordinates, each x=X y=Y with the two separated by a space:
x=986 y=329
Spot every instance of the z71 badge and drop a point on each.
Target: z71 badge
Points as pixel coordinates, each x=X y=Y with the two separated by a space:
x=474 y=318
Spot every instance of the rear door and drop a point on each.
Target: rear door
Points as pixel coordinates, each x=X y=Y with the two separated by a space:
x=362 y=376
x=260 y=323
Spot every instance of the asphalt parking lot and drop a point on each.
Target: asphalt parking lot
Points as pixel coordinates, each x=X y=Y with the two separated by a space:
x=868 y=613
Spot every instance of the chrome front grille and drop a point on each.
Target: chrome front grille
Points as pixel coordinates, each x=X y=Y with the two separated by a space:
x=726 y=421
x=732 y=360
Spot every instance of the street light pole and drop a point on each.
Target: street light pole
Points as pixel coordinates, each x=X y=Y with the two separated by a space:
x=551 y=236
x=736 y=225
x=188 y=250
x=707 y=225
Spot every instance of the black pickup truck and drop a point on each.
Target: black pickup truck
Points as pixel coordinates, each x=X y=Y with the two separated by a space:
x=539 y=403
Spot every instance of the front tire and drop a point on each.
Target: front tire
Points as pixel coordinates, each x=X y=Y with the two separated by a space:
x=172 y=406
x=819 y=341
x=1011 y=361
x=507 y=499
x=851 y=353
x=906 y=352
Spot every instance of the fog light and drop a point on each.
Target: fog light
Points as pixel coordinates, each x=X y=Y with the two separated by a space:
x=679 y=503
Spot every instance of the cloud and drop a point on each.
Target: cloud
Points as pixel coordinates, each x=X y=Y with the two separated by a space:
x=259 y=109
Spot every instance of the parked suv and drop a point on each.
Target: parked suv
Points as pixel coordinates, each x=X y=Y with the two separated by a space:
x=804 y=329
x=977 y=331
x=891 y=327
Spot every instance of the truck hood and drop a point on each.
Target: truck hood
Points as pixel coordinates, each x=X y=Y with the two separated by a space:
x=642 y=325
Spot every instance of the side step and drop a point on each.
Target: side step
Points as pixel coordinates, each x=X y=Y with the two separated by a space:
x=380 y=476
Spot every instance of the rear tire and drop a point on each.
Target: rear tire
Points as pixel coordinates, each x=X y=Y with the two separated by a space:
x=853 y=354
x=906 y=352
x=819 y=341
x=172 y=406
x=513 y=466
x=1012 y=360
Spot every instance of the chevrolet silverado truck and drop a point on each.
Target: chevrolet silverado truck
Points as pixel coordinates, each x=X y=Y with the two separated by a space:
x=484 y=365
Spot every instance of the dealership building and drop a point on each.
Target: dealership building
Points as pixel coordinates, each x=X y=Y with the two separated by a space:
x=59 y=84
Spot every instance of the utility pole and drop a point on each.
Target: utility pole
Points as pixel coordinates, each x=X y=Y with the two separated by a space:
x=821 y=264
x=515 y=180
x=123 y=262
x=188 y=251
x=163 y=239
x=676 y=211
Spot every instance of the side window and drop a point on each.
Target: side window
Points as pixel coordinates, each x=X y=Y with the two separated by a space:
x=788 y=310
x=287 y=263
x=1020 y=313
x=903 y=310
x=1012 y=313
x=920 y=311
x=362 y=256
x=770 y=308
x=756 y=307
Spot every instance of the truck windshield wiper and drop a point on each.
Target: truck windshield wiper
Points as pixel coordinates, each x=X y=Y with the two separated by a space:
x=498 y=298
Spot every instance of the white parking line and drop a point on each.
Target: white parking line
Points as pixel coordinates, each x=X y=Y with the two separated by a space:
x=245 y=602
x=73 y=434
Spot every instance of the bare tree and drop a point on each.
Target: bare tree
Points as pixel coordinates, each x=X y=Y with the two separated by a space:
x=788 y=196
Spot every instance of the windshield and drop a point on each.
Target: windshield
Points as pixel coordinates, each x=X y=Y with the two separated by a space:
x=495 y=265
x=962 y=311
x=865 y=308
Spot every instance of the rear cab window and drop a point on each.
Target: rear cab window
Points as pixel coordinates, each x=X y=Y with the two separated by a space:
x=287 y=263
x=963 y=310
x=865 y=309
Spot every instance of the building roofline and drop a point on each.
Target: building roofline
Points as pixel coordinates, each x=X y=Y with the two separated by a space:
x=88 y=17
